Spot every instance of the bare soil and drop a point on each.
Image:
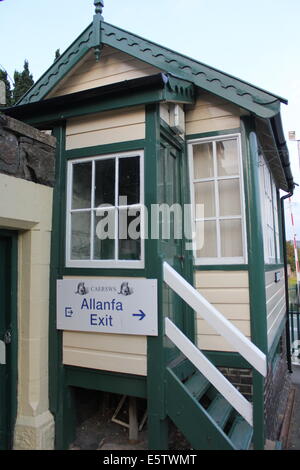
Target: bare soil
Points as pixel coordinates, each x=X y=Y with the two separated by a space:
x=96 y=431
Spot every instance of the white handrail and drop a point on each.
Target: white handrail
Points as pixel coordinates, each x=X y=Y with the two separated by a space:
x=224 y=327
x=213 y=375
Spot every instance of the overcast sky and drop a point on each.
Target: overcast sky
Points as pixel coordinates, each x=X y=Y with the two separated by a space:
x=257 y=40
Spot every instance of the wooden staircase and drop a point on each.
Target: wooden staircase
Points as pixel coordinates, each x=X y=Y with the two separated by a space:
x=203 y=404
x=204 y=416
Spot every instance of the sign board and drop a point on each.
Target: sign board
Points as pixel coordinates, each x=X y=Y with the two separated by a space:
x=123 y=306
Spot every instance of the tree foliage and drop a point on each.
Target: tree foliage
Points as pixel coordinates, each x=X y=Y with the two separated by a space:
x=291 y=254
x=22 y=82
x=4 y=78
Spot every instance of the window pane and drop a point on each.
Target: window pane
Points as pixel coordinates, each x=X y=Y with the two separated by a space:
x=105 y=182
x=171 y=178
x=161 y=176
x=206 y=239
x=229 y=197
x=271 y=242
x=129 y=179
x=104 y=249
x=105 y=234
x=82 y=181
x=231 y=238
x=205 y=194
x=227 y=158
x=80 y=235
x=203 y=160
x=129 y=234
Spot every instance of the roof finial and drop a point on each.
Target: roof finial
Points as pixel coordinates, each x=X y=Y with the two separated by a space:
x=98 y=18
x=99 y=5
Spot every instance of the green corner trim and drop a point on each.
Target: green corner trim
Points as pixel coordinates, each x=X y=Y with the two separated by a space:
x=257 y=293
x=254 y=237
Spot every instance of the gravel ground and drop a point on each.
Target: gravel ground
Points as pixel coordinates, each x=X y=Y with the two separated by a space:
x=96 y=430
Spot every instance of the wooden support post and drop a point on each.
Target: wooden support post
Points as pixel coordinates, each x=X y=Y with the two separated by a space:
x=133 y=420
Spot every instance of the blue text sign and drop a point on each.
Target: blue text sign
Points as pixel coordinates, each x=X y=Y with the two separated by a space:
x=122 y=306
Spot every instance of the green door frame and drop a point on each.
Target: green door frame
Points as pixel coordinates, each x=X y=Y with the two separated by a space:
x=8 y=404
x=156 y=348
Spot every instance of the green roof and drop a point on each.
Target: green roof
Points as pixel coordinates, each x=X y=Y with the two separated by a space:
x=251 y=98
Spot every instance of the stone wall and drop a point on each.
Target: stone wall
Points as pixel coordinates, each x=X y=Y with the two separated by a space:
x=26 y=200
x=26 y=152
x=277 y=387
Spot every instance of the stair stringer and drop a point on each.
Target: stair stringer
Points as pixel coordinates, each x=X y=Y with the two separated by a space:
x=192 y=419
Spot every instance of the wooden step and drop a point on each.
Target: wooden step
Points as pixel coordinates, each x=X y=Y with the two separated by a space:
x=240 y=433
x=192 y=418
x=220 y=410
x=197 y=385
x=182 y=367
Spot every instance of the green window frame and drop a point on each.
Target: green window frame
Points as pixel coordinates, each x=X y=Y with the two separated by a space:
x=222 y=183
x=270 y=213
x=96 y=205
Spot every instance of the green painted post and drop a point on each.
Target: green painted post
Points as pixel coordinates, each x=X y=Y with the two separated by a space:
x=157 y=420
x=9 y=319
x=59 y=394
x=256 y=270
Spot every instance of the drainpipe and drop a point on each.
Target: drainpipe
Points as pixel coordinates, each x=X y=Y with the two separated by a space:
x=287 y=323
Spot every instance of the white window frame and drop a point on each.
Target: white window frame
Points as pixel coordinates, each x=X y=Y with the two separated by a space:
x=113 y=263
x=219 y=260
x=268 y=199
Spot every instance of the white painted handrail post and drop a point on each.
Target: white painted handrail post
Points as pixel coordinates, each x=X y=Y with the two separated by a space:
x=213 y=375
x=224 y=327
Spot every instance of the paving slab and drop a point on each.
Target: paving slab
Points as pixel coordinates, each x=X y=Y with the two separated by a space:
x=293 y=439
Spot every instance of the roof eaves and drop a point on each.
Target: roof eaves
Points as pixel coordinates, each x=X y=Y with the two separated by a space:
x=59 y=69
x=149 y=89
x=241 y=93
x=274 y=148
x=246 y=96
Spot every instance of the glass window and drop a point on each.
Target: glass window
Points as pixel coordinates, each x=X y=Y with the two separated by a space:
x=269 y=211
x=205 y=194
x=203 y=160
x=80 y=235
x=227 y=158
x=230 y=197
x=129 y=181
x=216 y=193
x=231 y=238
x=104 y=219
x=82 y=180
x=105 y=182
